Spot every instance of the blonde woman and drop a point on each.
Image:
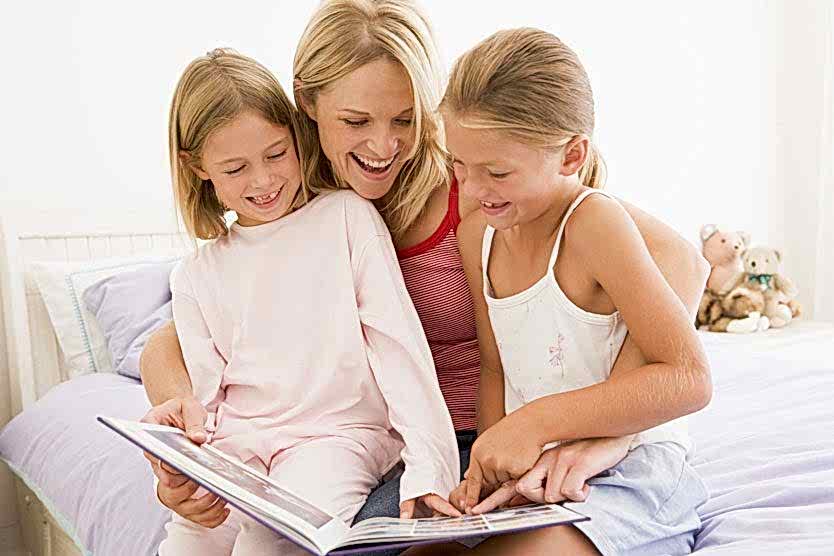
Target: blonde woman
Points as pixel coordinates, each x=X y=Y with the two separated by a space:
x=283 y=401
x=367 y=77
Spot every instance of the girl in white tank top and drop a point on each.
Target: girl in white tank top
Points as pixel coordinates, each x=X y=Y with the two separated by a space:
x=555 y=422
x=549 y=345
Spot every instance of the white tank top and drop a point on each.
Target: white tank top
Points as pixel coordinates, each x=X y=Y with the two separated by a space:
x=549 y=345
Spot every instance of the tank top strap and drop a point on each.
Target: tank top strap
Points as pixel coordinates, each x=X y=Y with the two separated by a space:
x=576 y=202
x=486 y=248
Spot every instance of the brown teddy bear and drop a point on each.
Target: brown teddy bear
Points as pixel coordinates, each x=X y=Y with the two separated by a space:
x=761 y=267
x=726 y=305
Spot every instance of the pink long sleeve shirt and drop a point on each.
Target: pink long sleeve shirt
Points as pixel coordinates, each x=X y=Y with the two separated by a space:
x=301 y=329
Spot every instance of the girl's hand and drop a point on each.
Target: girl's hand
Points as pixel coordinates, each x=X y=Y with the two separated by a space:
x=561 y=473
x=428 y=505
x=500 y=454
x=175 y=490
x=457 y=497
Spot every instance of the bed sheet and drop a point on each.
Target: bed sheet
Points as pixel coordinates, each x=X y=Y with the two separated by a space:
x=765 y=447
x=98 y=486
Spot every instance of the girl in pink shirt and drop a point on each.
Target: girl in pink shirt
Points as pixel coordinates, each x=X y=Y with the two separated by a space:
x=299 y=336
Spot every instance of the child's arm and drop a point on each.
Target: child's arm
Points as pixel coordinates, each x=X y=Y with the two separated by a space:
x=175 y=404
x=403 y=367
x=470 y=235
x=676 y=380
x=203 y=362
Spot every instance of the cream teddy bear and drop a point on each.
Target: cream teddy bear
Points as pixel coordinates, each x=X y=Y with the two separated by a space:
x=761 y=267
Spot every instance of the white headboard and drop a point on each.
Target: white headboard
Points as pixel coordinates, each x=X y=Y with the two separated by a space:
x=33 y=355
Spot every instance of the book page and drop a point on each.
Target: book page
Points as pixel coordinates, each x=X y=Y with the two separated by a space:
x=383 y=530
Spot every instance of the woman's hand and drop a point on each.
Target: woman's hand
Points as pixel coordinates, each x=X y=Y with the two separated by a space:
x=175 y=490
x=561 y=473
x=500 y=454
x=428 y=505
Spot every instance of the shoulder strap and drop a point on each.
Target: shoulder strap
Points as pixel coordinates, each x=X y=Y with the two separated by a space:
x=486 y=247
x=576 y=202
x=454 y=211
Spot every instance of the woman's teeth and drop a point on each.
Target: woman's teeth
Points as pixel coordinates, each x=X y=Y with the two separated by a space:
x=494 y=205
x=264 y=199
x=373 y=165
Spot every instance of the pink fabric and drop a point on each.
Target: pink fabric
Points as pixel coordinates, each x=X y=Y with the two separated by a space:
x=302 y=329
x=337 y=493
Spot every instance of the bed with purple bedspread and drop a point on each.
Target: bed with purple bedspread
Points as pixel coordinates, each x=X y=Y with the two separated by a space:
x=764 y=446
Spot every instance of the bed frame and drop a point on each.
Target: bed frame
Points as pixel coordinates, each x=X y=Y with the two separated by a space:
x=34 y=360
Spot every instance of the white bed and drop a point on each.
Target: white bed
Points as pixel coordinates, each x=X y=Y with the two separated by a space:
x=764 y=445
x=36 y=365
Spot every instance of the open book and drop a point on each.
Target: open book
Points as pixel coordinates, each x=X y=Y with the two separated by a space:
x=262 y=499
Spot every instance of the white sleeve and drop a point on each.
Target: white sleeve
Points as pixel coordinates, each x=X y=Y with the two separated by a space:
x=204 y=363
x=403 y=367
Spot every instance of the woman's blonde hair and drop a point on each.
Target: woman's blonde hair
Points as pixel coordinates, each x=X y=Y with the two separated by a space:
x=529 y=84
x=344 y=35
x=213 y=90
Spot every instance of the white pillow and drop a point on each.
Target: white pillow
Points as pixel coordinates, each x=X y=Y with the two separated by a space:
x=61 y=285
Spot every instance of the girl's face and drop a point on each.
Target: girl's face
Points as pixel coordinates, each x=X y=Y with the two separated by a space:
x=365 y=125
x=515 y=183
x=254 y=168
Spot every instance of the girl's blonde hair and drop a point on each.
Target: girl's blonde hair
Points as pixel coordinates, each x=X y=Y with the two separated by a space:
x=527 y=83
x=213 y=90
x=344 y=35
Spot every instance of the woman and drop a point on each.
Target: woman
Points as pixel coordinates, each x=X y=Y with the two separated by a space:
x=367 y=81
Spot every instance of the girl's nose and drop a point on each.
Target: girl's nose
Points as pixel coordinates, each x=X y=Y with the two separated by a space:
x=471 y=187
x=262 y=180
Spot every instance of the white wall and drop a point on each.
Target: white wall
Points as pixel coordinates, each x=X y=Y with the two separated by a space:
x=703 y=108
x=679 y=94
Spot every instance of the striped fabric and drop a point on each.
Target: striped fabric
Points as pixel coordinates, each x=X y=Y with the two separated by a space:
x=434 y=276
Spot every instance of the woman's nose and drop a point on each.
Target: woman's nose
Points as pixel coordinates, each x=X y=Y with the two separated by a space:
x=384 y=143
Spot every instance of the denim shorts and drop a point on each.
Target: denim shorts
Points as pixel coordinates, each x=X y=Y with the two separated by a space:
x=645 y=505
x=384 y=500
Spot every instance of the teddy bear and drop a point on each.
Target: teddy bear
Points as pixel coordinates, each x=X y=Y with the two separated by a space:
x=739 y=311
x=723 y=251
x=726 y=305
x=761 y=267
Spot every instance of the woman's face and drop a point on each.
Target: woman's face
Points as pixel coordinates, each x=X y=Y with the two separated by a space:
x=365 y=125
x=252 y=163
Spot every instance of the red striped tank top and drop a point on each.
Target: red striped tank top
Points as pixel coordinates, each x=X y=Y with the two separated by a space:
x=435 y=279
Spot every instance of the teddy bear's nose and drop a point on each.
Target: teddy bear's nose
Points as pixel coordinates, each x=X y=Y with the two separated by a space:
x=753 y=264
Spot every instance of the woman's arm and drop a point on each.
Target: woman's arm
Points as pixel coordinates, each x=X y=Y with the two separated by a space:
x=162 y=367
x=491 y=390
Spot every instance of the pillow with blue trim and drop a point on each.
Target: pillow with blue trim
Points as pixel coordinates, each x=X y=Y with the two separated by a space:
x=61 y=286
x=129 y=307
